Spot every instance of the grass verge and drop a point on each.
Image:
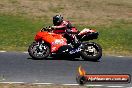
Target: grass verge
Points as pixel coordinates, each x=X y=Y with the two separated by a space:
x=112 y=18
x=17 y=33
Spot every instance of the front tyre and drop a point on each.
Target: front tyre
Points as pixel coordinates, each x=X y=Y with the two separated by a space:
x=91 y=51
x=39 y=50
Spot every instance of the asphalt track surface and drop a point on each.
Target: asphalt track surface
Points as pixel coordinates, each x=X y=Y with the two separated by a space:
x=20 y=67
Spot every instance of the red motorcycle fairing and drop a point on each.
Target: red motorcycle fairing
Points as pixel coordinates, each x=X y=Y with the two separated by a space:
x=55 y=40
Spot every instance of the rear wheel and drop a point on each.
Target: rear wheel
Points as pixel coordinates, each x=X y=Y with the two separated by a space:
x=91 y=51
x=39 y=50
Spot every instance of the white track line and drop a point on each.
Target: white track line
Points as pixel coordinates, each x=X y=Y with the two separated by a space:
x=70 y=84
x=43 y=83
x=115 y=86
x=120 y=56
x=3 y=51
x=25 y=82
x=25 y=52
x=12 y=82
x=94 y=85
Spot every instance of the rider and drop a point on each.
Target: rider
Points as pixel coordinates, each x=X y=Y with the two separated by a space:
x=62 y=26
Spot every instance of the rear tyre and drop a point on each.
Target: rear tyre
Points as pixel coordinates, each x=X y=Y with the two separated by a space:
x=91 y=51
x=39 y=51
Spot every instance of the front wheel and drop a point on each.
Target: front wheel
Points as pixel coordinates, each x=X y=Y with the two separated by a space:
x=91 y=51
x=38 y=50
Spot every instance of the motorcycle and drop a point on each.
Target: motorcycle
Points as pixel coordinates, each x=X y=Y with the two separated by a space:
x=47 y=43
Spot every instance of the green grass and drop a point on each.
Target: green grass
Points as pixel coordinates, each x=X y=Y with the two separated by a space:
x=116 y=38
x=17 y=32
x=112 y=18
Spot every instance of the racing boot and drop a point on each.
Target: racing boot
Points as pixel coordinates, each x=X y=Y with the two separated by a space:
x=76 y=42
